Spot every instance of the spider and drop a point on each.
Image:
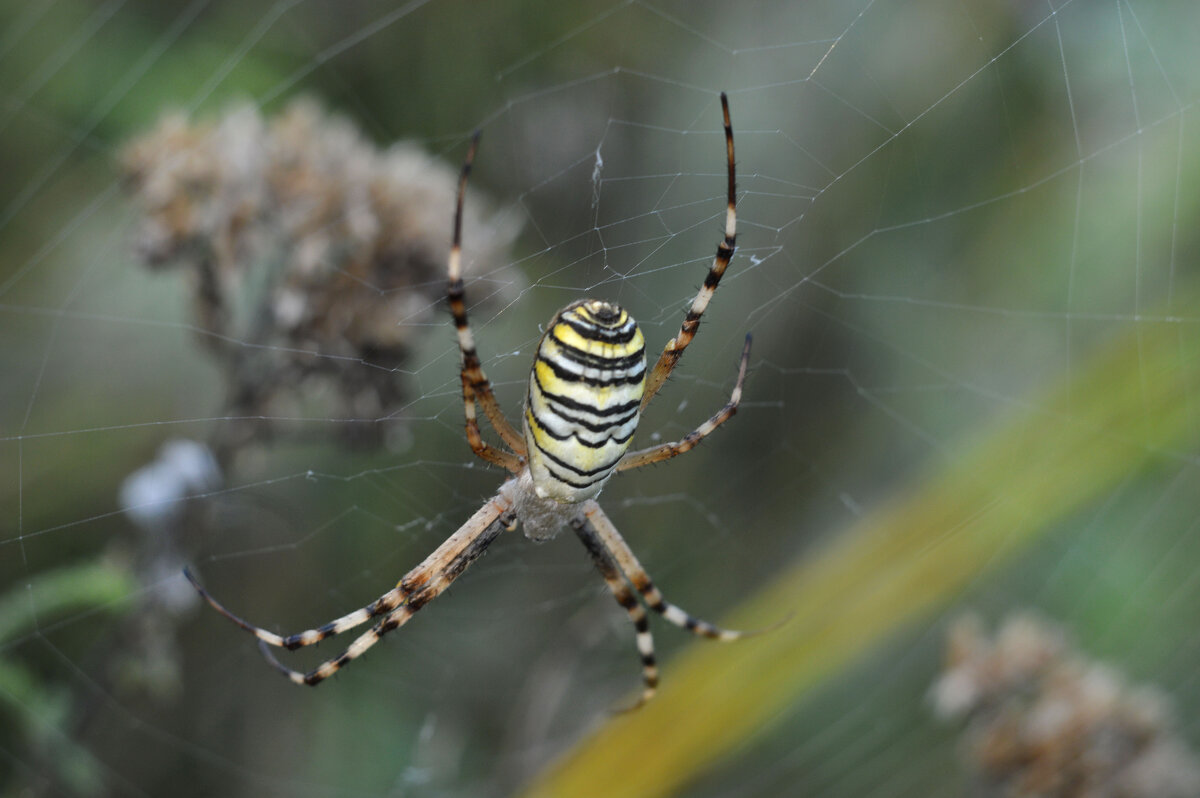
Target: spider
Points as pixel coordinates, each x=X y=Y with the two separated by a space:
x=587 y=390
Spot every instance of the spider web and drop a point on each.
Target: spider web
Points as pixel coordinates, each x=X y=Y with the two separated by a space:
x=947 y=212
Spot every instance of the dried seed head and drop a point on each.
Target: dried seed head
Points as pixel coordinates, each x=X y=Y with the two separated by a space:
x=303 y=239
x=1043 y=720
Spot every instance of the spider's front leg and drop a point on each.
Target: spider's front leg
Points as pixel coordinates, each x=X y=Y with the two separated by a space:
x=384 y=604
x=606 y=533
x=418 y=587
x=620 y=568
x=608 y=568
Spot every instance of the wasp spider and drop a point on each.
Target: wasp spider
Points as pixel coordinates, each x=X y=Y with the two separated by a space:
x=587 y=390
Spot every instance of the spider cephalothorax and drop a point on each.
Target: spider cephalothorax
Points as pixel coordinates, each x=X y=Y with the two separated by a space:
x=587 y=390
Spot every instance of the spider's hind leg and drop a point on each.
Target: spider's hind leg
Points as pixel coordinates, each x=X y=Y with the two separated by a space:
x=475 y=384
x=691 y=322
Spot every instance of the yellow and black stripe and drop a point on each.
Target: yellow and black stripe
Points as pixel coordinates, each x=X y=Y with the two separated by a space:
x=584 y=399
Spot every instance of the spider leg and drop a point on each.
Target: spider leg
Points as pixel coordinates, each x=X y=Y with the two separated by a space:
x=385 y=603
x=479 y=446
x=608 y=568
x=666 y=451
x=418 y=587
x=394 y=620
x=607 y=536
x=691 y=322
x=475 y=384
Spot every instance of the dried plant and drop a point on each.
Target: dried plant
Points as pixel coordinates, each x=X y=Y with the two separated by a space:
x=1043 y=720
x=315 y=258
x=316 y=261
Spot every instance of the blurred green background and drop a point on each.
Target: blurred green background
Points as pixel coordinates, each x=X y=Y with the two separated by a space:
x=967 y=252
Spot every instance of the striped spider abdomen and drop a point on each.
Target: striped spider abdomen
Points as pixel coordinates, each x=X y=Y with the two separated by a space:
x=583 y=403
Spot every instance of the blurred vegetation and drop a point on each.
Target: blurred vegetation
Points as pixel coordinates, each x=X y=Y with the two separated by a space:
x=43 y=711
x=967 y=255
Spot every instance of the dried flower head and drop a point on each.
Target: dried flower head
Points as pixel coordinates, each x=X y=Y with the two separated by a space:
x=1044 y=721
x=313 y=254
